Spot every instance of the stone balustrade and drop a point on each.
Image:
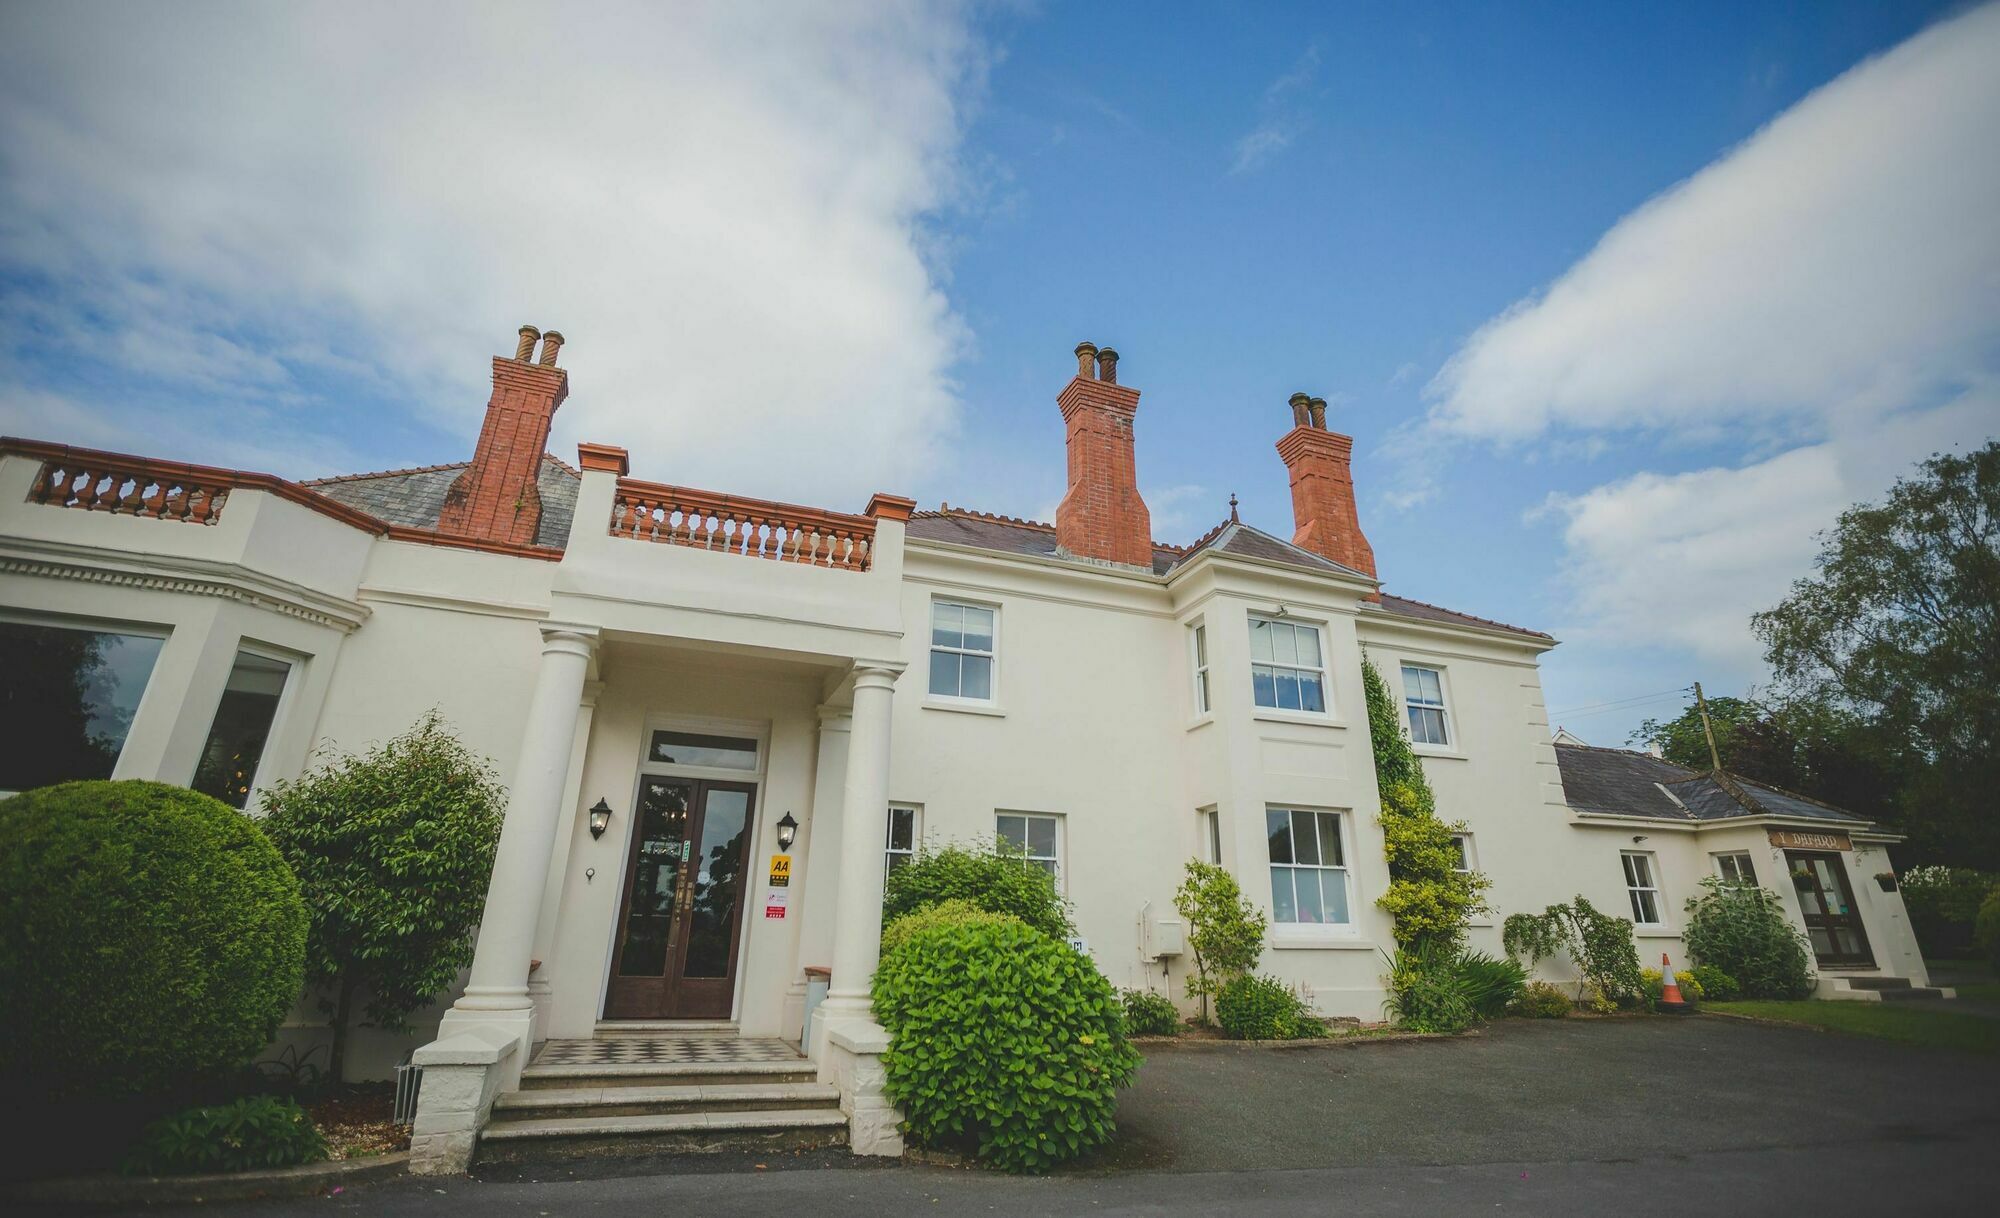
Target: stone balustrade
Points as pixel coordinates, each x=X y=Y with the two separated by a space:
x=127 y=487
x=757 y=528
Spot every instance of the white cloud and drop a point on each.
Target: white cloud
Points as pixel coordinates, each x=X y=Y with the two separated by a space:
x=1823 y=300
x=722 y=206
x=1283 y=118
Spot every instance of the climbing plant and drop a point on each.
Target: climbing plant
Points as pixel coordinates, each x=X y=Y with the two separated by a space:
x=1430 y=899
x=1600 y=946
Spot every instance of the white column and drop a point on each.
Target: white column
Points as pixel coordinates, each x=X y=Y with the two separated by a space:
x=857 y=908
x=817 y=883
x=496 y=994
x=567 y=828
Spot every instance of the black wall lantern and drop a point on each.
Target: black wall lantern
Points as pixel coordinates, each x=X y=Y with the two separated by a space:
x=600 y=818
x=788 y=829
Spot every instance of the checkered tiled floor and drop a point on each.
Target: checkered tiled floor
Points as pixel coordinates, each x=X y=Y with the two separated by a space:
x=665 y=1050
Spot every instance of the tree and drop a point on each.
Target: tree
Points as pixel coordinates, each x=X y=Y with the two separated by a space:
x=1224 y=930
x=1899 y=627
x=393 y=850
x=1683 y=742
x=1816 y=750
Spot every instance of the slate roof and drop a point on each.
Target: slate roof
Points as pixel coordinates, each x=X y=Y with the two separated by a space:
x=415 y=497
x=1626 y=783
x=1006 y=535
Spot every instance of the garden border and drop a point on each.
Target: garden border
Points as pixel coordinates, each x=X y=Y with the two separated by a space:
x=1349 y=1041
x=303 y=1180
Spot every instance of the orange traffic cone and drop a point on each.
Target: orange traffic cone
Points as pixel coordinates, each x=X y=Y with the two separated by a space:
x=1671 y=1002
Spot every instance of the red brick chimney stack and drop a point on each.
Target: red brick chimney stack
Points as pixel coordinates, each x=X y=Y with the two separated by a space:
x=1102 y=515
x=1323 y=487
x=496 y=498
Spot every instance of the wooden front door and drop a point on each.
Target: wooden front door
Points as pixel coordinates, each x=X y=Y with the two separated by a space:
x=1832 y=922
x=678 y=926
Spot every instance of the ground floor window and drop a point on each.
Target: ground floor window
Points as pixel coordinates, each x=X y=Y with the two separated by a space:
x=67 y=697
x=1642 y=888
x=1461 y=847
x=1211 y=835
x=242 y=724
x=1308 y=867
x=1033 y=837
x=903 y=835
x=1736 y=869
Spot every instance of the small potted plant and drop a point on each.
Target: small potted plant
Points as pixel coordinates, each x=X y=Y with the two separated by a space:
x=1887 y=879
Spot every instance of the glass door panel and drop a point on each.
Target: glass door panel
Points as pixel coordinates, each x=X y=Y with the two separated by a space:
x=657 y=860
x=725 y=821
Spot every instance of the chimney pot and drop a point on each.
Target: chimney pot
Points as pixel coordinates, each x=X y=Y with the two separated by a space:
x=525 y=349
x=551 y=343
x=1107 y=366
x=1317 y=409
x=1298 y=403
x=1086 y=361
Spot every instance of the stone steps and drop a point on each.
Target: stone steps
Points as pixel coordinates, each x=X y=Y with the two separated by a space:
x=1879 y=989
x=666 y=1074
x=642 y=1100
x=513 y=1141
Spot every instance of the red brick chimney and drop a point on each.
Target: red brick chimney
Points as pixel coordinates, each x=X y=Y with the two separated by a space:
x=1102 y=515
x=496 y=498
x=1323 y=487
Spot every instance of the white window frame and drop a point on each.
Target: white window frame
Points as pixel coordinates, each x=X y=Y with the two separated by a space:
x=1209 y=823
x=889 y=852
x=295 y=663
x=1292 y=928
x=163 y=631
x=1469 y=861
x=932 y=650
x=1635 y=891
x=1748 y=875
x=1054 y=858
x=1319 y=670
x=1413 y=700
x=1199 y=663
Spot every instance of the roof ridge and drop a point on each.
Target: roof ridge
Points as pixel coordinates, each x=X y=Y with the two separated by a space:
x=1787 y=791
x=1475 y=617
x=947 y=510
x=424 y=469
x=1209 y=536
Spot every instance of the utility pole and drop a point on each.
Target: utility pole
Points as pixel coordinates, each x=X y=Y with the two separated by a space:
x=1707 y=728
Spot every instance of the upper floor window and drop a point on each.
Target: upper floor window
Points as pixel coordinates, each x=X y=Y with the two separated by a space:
x=1642 y=887
x=1461 y=848
x=1308 y=867
x=904 y=831
x=235 y=748
x=1736 y=869
x=1199 y=641
x=1211 y=835
x=961 y=651
x=1286 y=670
x=1034 y=839
x=1423 y=694
x=67 y=696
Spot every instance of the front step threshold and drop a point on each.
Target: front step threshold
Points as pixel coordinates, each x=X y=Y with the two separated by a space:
x=662 y=1133
x=683 y=1073
x=1880 y=989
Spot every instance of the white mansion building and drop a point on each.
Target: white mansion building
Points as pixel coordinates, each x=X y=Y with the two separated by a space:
x=675 y=682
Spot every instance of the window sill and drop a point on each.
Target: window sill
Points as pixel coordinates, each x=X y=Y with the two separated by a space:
x=965 y=708
x=1305 y=718
x=1432 y=750
x=1202 y=720
x=1655 y=932
x=1318 y=941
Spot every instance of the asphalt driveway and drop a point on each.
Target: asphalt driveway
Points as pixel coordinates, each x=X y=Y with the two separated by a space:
x=1633 y=1116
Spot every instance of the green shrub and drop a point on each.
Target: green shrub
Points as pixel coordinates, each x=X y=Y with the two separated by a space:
x=1224 y=930
x=944 y=913
x=1003 y=1041
x=1656 y=985
x=1491 y=983
x=394 y=850
x=1716 y=985
x=1988 y=928
x=261 y=1131
x=1149 y=1014
x=1600 y=946
x=995 y=882
x=1428 y=896
x=150 y=937
x=1428 y=992
x=1250 y=1007
x=1743 y=931
x=1542 y=1000
x=1944 y=903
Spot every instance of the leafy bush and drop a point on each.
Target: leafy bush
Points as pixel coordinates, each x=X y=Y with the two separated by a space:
x=1250 y=1007
x=393 y=850
x=995 y=882
x=1599 y=945
x=1491 y=983
x=1003 y=1041
x=1149 y=1014
x=1428 y=992
x=1716 y=985
x=1988 y=928
x=1743 y=931
x=944 y=913
x=1542 y=1000
x=1429 y=898
x=261 y=1131
x=1944 y=902
x=1656 y=985
x=149 y=937
x=1224 y=930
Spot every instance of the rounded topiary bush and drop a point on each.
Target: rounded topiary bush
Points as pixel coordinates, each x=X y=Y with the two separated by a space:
x=1004 y=1042
x=149 y=936
x=1263 y=1008
x=995 y=882
x=1149 y=1014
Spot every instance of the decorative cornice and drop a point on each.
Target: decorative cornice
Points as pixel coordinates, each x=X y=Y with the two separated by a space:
x=184 y=576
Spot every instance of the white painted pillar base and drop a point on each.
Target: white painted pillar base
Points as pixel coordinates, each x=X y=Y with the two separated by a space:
x=462 y=1075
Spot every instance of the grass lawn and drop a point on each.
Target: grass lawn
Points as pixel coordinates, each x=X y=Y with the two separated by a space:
x=1907 y=1023
x=1983 y=991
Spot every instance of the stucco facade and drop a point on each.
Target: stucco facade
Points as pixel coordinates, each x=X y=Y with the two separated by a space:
x=1123 y=715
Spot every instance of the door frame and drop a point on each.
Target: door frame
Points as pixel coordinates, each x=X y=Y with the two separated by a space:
x=707 y=725
x=1837 y=864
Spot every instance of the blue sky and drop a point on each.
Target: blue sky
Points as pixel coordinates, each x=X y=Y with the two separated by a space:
x=1620 y=303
